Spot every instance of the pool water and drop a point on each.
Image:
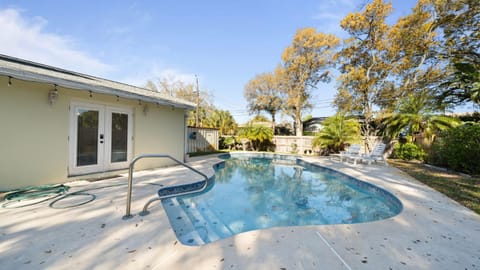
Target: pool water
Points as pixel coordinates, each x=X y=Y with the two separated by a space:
x=251 y=193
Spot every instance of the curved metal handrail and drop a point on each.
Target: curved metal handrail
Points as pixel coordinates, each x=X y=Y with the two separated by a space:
x=130 y=179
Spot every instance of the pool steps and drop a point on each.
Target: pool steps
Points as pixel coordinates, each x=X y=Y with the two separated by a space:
x=182 y=190
x=213 y=227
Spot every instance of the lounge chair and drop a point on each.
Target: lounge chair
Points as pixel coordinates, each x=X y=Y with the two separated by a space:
x=375 y=155
x=352 y=152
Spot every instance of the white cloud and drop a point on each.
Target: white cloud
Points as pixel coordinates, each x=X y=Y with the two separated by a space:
x=330 y=13
x=27 y=38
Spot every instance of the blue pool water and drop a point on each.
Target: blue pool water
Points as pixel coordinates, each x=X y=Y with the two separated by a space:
x=251 y=192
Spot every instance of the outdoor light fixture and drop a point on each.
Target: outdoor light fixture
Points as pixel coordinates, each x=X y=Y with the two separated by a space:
x=53 y=95
x=9 y=80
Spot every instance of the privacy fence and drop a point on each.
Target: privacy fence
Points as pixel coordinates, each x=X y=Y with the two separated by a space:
x=202 y=139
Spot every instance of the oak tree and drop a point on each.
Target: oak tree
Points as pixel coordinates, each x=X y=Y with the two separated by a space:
x=459 y=22
x=412 y=52
x=306 y=62
x=364 y=64
x=263 y=95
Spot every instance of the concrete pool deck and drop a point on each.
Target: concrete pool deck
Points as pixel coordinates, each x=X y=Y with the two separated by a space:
x=432 y=231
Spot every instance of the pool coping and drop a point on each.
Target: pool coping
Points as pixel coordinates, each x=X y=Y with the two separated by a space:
x=185 y=226
x=431 y=232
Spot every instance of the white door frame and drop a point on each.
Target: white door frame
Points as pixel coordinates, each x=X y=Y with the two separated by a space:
x=104 y=145
x=108 y=138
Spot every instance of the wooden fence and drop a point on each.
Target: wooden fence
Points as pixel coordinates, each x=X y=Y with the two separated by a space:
x=293 y=144
x=202 y=139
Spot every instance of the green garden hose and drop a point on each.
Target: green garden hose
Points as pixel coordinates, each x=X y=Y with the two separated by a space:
x=32 y=193
x=56 y=192
x=83 y=193
x=80 y=193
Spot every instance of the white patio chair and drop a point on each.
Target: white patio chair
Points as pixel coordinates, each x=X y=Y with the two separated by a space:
x=352 y=152
x=377 y=154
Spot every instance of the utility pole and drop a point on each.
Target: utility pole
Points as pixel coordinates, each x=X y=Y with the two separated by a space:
x=198 y=101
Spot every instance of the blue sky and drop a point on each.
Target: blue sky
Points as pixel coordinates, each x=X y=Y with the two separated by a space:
x=226 y=43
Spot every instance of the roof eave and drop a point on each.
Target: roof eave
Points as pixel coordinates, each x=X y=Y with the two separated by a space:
x=36 y=77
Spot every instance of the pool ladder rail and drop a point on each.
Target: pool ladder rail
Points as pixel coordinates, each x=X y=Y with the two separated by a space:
x=197 y=187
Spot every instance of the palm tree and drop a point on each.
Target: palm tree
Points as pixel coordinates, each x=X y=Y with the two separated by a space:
x=416 y=115
x=259 y=136
x=222 y=120
x=337 y=132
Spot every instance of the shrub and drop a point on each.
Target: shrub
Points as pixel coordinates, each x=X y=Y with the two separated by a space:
x=336 y=133
x=458 y=149
x=260 y=137
x=226 y=142
x=408 y=151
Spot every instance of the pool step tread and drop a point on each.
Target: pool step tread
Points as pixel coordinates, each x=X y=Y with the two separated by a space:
x=215 y=227
x=195 y=227
x=179 y=221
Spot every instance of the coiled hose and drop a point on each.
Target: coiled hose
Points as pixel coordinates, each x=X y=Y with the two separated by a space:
x=33 y=193
x=56 y=192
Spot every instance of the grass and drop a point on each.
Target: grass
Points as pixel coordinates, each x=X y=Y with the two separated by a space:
x=464 y=190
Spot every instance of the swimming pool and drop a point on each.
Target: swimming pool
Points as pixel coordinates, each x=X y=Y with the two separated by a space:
x=258 y=191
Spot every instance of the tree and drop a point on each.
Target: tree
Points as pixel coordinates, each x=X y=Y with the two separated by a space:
x=337 y=132
x=186 y=91
x=170 y=86
x=364 y=63
x=416 y=114
x=258 y=119
x=262 y=94
x=412 y=51
x=459 y=21
x=222 y=120
x=305 y=64
x=465 y=83
x=259 y=136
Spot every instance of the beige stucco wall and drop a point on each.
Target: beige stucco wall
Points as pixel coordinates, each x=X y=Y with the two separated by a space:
x=34 y=147
x=160 y=131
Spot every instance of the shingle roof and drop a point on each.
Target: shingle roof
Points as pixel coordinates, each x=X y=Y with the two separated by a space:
x=32 y=71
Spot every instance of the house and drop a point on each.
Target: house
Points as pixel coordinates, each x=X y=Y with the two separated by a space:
x=313 y=125
x=57 y=125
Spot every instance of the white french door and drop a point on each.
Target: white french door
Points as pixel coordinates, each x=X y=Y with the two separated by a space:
x=100 y=138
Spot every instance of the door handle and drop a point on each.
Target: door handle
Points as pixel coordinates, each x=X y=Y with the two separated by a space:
x=101 y=138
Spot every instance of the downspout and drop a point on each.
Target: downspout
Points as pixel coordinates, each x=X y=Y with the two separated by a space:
x=185 y=135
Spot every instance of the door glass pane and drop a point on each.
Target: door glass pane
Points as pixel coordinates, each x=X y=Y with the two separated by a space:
x=87 y=136
x=119 y=137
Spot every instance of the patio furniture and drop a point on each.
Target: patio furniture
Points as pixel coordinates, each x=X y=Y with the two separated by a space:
x=352 y=152
x=375 y=155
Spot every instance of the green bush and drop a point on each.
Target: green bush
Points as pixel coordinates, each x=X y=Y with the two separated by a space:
x=337 y=132
x=408 y=151
x=260 y=137
x=226 y=142
x=458 y=149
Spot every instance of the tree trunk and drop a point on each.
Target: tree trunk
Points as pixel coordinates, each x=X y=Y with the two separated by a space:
x=298 y=116
x=298 y=126
x=367 y=128
x=273 y=124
